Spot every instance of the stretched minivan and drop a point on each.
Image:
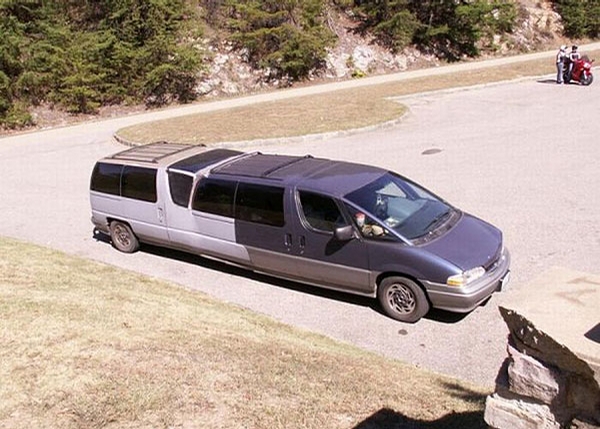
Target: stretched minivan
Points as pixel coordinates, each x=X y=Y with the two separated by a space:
x=338 y=225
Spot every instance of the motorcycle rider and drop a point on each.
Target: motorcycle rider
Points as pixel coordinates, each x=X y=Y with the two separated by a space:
x=574 y=56
x=561 y=57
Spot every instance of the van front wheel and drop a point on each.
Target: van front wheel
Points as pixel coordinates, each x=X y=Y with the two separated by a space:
x=123 y=238
x=402 y=299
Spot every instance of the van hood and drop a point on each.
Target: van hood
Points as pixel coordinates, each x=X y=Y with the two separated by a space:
x=470 y=243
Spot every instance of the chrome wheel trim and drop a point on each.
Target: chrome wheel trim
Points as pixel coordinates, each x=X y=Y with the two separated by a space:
x=401 y=298
x=122 y=236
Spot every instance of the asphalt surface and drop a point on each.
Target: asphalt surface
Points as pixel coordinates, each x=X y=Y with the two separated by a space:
x=522 y=155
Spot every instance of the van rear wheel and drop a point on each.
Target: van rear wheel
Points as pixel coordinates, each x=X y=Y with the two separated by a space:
x=402 y=299
x=123 y=238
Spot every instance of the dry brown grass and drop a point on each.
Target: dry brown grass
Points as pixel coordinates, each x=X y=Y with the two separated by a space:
x=334 y=111
x=85 y=345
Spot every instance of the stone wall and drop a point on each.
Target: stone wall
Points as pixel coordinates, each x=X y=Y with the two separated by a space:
x=542 y=384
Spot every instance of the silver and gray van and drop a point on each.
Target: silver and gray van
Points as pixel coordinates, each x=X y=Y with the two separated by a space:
x=338 y=225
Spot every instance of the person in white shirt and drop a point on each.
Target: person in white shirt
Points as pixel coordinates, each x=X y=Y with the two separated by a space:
x=561 y=56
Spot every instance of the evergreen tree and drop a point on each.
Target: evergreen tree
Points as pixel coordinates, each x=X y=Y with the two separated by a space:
x=84 y=54
x=391 y=21
x=448 y=28
x=580 y=18
x=287 y=37
x=454 y=28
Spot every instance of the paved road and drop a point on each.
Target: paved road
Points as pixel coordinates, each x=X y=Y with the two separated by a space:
x=522 y=155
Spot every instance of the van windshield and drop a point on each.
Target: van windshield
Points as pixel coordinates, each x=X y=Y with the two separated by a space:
x=401 y=205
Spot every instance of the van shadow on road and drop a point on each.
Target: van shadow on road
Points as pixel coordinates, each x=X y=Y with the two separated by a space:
x=215 y=265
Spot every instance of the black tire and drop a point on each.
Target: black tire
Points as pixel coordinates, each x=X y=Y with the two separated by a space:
x=587 y=79
x=402 y=299
x=123 y=238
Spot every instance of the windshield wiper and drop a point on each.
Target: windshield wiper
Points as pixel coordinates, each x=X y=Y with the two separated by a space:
x=438 y=219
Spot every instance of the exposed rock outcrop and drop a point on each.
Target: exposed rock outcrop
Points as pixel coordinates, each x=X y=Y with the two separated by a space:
x=357 y=54
x=551 y=377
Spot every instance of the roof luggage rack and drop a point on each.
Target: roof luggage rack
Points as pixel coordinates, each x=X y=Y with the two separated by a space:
x=287 y=163
x=256 y=164
x=152 y=152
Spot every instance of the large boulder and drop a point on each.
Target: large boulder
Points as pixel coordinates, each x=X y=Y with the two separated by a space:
x=551 y=378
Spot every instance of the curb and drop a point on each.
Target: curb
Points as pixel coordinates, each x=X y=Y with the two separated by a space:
x=340 y=133
x=382 y=79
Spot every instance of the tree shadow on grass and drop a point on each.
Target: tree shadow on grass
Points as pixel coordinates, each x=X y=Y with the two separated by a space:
x=387 y=418
x=390 y=419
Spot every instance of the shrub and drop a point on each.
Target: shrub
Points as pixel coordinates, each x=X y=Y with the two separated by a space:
x=287 y=37
x=580 y=18
x=447 y=28
x=82 y=55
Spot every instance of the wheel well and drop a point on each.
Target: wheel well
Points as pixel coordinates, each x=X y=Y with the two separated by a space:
x=124 y=222
x=381 y=277
x=112 y=219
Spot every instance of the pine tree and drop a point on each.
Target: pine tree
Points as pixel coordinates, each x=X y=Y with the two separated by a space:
x=286 y=37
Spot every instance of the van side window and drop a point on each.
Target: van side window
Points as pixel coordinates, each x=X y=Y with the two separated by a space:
x=139 y=183
x=106 y=178
x=214 y=196
x=180 y=186
x=260 y=204
x=320 y=212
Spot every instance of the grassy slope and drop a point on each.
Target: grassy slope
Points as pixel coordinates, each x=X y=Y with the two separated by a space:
x=85 y=345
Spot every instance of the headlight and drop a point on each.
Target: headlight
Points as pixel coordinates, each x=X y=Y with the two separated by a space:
x=465 y=277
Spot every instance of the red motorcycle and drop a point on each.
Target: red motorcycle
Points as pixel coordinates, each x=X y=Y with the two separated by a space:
x=581 y=71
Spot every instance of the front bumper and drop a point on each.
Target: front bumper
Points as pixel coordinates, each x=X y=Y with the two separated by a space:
x=466 y=298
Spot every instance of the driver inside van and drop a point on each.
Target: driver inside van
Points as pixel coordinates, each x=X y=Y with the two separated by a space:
x=367 y=228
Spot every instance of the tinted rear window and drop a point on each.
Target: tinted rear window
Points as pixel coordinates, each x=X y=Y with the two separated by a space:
x=260 y=204
x=214 y=196
x=106 y=178
x=180 y=186
x=197 y=162
x=139 y=183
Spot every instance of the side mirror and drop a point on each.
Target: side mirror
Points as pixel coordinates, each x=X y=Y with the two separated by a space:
x=344 y=233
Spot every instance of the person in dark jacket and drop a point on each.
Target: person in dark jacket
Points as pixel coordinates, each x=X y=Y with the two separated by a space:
x=574 y=55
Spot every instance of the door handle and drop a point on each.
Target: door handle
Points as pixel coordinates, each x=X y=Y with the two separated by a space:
x=302 y=243
x=288 y=241
x=161 y=215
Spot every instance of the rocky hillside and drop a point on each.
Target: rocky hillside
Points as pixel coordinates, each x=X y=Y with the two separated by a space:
x=355 y=55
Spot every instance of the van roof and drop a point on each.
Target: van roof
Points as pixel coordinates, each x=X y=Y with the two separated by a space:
x=177 y=156
x=306 y=172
